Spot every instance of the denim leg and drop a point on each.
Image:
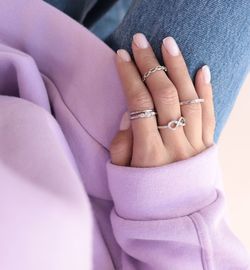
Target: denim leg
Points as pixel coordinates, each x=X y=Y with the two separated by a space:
x=106 y=25
x=87 y=12
x=77 y=9
x=212 y=32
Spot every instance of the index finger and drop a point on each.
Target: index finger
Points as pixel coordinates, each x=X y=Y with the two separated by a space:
x=137 y=95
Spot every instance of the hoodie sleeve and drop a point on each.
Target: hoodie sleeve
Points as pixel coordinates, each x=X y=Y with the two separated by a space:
x=173 y=216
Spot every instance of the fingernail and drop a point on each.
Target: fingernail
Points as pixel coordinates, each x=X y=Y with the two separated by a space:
x=124 y=55
x=206 y=74
x=171 y=46
x=140 y=40
x=125 y=121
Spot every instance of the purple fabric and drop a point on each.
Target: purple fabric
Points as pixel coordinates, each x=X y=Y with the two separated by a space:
x=64 y=205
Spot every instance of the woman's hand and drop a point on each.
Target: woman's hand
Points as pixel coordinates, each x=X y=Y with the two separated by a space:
x=143 y=144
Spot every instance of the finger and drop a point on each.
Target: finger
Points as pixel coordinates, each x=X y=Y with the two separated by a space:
x=163 y=91
x=179 y=75
x=204 y=89
x=138 y=98
x=121 y=148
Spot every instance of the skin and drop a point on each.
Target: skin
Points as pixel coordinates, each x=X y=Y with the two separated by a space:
x=143 y=144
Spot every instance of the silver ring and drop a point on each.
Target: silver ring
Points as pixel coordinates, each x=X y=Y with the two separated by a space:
x=192 y=101
x=152 y=70
x=142 y=114
x=174 y=123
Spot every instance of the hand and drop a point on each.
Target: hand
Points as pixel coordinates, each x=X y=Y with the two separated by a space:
x=143 y=144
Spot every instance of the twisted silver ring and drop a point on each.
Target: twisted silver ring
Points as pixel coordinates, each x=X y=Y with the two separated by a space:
x=152 y=70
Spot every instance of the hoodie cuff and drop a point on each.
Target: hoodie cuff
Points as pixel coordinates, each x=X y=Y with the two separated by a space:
x=169 y=191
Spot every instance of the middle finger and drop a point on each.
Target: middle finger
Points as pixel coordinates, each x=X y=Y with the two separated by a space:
x=164 y=93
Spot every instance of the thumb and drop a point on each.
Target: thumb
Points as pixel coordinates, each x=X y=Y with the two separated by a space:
x=121 y=145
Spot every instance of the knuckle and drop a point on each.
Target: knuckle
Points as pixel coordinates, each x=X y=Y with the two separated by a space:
x=141 y=100
x=136 y=86
x=198 y=148
x=168 y=95
x=182 y=155
x=181 y=151
x=192 y=108
x=147 y=59
x=118 y=145
x=209 y=142
x=210 y=122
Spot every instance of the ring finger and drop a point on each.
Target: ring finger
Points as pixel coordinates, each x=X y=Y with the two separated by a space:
x=179 y=75
x=138 y=98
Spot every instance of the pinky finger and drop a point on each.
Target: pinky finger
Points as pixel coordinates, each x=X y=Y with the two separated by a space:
x=204 y=90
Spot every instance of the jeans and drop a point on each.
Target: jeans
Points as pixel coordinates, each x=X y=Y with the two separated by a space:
x=107 y=24
x=86 y=12
x=215 y=32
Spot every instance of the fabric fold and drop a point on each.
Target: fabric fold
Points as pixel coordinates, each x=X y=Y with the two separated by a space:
x=176 y=189
x=56 y=173
x=45 y=213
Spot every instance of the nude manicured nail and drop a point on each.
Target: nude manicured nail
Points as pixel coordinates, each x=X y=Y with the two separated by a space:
x=124 y=55
x=171 y=46
x=140 y=40
x=206 y=74
x=125 y=121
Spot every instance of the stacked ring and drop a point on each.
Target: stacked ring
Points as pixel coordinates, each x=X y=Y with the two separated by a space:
x=142 y=114
x=150 y=112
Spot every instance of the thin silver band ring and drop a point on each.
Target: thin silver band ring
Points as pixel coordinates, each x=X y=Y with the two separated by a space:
x=192 y=101
x=151 y=112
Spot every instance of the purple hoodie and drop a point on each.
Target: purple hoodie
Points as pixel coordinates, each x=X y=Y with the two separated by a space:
x=63 y=204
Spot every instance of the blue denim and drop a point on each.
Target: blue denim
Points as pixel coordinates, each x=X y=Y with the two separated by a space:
x=77 y=9
x=212 y=32
x=107 y=24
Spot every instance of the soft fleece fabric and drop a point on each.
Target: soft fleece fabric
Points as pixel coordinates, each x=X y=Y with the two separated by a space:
x=64 y=205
